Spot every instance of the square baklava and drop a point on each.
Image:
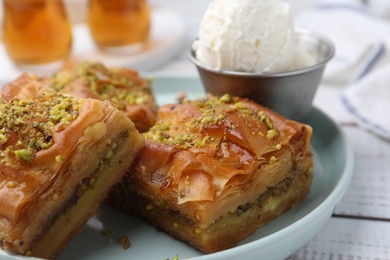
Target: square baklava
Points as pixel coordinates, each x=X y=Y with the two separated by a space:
x=214 y=170
x=59 y=158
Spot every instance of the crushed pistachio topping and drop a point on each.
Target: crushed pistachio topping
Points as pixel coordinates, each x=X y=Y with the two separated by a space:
x=31 y=123
x=191 y=135
x=59 y=159
x=265 y=119
x=106 y=84
x=272 y=134
x=272 y=159
x=227 y=98
x=24 y=154
x=3 y=138
x=213 y=113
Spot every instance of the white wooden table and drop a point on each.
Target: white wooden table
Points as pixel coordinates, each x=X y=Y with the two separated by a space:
x=360 y=226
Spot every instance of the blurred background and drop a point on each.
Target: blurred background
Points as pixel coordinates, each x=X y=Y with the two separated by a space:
x=188 y=15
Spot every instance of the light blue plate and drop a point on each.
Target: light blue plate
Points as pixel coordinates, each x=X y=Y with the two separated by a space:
x=280 y=238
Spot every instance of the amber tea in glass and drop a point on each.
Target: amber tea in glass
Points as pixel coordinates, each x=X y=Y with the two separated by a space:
x=36 y=31
x=118 y=23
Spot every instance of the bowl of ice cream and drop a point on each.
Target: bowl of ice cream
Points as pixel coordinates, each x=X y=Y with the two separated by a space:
x=265 y=59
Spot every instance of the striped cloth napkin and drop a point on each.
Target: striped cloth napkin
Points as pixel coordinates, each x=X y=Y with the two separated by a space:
x=360 y=30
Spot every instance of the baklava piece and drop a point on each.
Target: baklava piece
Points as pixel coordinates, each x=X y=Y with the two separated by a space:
x=59 y=158
x=131 y=93
x=213 y=170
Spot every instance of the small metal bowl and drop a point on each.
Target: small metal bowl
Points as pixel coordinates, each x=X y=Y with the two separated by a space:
x=289 y=93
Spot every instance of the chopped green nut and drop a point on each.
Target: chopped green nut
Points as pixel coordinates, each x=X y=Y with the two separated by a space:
x=25 y=155
x=227 y=98
x=272 y=159
x=106 y=84
x=32 y=123
x=3 y=139
x=59 y=159
x=272 y=134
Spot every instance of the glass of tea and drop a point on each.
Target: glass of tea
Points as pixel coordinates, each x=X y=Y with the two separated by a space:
x=116 y=24
x=36 y=32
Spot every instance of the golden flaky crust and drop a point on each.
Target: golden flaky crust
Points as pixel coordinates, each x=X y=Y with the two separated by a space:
x=131 y=93
x=59 y=158
x=209 y=161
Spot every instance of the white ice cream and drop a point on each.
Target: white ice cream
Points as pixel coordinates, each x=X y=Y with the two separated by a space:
x=246 y=35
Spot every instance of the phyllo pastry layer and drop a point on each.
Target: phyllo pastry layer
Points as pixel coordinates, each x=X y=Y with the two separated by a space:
x=59 y=158
x=215 y=169
x=131 y=93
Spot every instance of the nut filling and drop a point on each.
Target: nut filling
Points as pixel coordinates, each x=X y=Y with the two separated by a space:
x=87 y=183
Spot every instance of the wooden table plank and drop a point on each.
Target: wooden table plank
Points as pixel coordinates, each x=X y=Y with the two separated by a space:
x=369 y=192
x=349 y=239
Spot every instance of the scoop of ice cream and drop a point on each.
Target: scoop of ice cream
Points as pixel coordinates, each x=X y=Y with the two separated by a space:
x=246 y=35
